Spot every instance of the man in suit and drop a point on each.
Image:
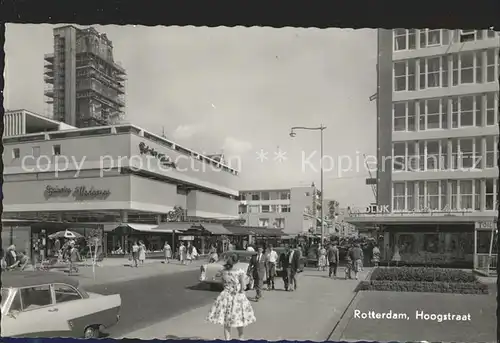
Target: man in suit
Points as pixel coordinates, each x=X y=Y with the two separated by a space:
x=257 y=269
x=293 y=268
x=283 y=264
x=333 y=259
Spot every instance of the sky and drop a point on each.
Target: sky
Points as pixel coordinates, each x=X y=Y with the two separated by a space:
x=238 y=91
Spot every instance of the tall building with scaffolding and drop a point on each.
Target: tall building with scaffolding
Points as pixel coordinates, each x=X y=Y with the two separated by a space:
x=84 y=85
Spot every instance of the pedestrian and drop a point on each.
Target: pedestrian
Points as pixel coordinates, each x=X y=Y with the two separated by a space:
x=232 y=309
x=293 y=268
x=189 y=253
x=57 y=247
x=356 y=255
x=376 y=255
x=321 y=258
x=348 y=266
x=135 y=254
x=167 y=251
x=182 y=253
x=213 y=257
x=142 y=252
x=333 y=259
x=283 y=265
x=22 y=260
x=194 y=253
x=396 y=257
x=11 y=257
x=271 y=260
x=74 y=257
x=257 y=270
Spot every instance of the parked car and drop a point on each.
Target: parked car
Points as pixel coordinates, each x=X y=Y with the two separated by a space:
x=51 y=304
x=302 y=261
x=211 y=273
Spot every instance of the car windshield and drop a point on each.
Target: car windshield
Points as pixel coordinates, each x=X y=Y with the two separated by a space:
x=242 y=256
x=5 y=293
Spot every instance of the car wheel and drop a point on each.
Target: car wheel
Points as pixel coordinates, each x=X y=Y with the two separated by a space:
x=92 y=332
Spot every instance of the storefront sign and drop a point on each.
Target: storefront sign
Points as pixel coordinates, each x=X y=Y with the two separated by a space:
x=79 y=193
x=385 y=210
x=186 y=238
x=164 y=159
x=486 y=225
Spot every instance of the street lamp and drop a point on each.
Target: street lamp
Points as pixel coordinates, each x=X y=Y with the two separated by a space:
x=321 y=128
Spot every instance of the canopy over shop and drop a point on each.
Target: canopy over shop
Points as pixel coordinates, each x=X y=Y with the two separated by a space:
x=120 y=236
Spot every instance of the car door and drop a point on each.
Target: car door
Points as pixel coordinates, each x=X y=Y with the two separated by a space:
x=32 y=314
x=79 y=312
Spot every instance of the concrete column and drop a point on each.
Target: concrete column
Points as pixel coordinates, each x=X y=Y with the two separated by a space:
x=475 y=247
x=450 y=154
x=482 y=193
x=448 y=192
x=483 y=152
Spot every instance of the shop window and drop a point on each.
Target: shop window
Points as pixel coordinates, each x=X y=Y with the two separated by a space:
x=399 y=156
x=490 y=194
x=466 y=194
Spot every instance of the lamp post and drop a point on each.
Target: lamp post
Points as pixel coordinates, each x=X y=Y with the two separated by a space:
x=321 y=128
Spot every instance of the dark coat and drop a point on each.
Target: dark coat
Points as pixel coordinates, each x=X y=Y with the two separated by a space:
x=257 y=269
x=285 y=260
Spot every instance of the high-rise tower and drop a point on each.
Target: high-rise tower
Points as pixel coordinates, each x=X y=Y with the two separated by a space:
x=84 y=85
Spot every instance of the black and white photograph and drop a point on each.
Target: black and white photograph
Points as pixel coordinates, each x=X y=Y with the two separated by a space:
x=182 y=182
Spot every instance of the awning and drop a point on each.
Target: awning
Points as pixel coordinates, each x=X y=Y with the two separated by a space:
x=145 y=228
x=216 y=229
x=252 y=230
x=236 y=230
x=263 y=231
x=175 y=226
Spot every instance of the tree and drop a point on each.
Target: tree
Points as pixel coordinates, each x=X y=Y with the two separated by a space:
x=333 y=206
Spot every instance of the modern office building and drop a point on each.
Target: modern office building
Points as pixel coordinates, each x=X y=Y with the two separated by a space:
x=437 y=138
x=84 y=84
x=294 y=210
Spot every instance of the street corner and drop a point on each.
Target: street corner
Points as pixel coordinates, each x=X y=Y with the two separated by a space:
x=398 y=316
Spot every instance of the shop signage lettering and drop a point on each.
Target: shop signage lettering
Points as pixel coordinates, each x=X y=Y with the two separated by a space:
x=80 y=192
x=385 y=210
x=486 y=225
x=164 y=159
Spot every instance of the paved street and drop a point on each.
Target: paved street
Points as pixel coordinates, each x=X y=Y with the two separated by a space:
x=310 y=313
x=149 y=294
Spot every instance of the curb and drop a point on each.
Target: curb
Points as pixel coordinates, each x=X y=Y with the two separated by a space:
x=339 y=328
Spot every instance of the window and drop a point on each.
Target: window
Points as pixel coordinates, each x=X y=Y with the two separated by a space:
x=410 y=195
x=242 y=209
x=399 y=156
x=444 y=114
x=433 y=195
x=466 y=155
x=465 y=67
x=404 y=75
x=265 y=196
x=433 y=113
x=492 y=34
x=253 y=209
x=421 y=155
x=280 y=223
x=478 y=153
x=432 y=155
x=285 y=195
x=56 y=149
x=469 y=35
x=490 y=194
x=443 y=161
x=491 y=109
x=36 y=151
x=265 y=208
x=264 y=222
x=454 y=194
x=65 y=293
x=35 y=297
x=404 y=39
x=285 y=208
x=466 y=194
x=421 y=195
x=477 y=195
x=273 y=208
x=444 y=192
x=466 y=111
x=411 y=158
x=430 y=72
x=430 y=38
x=256 y=197
x=454 y=154
x=410 y=107
x=399 y=196
x=16 y=305
x=16 y=153
x=399 y=111
x=490 y=152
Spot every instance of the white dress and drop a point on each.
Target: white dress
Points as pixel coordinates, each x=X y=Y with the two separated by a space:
x=232 y=308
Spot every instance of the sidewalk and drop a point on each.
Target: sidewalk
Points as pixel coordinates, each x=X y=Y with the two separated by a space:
x=310 y=313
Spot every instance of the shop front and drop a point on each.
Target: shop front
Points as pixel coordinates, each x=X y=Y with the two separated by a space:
x=456 y=241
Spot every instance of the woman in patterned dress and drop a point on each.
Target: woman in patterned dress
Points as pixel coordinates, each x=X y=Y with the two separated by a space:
x=232 y=309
